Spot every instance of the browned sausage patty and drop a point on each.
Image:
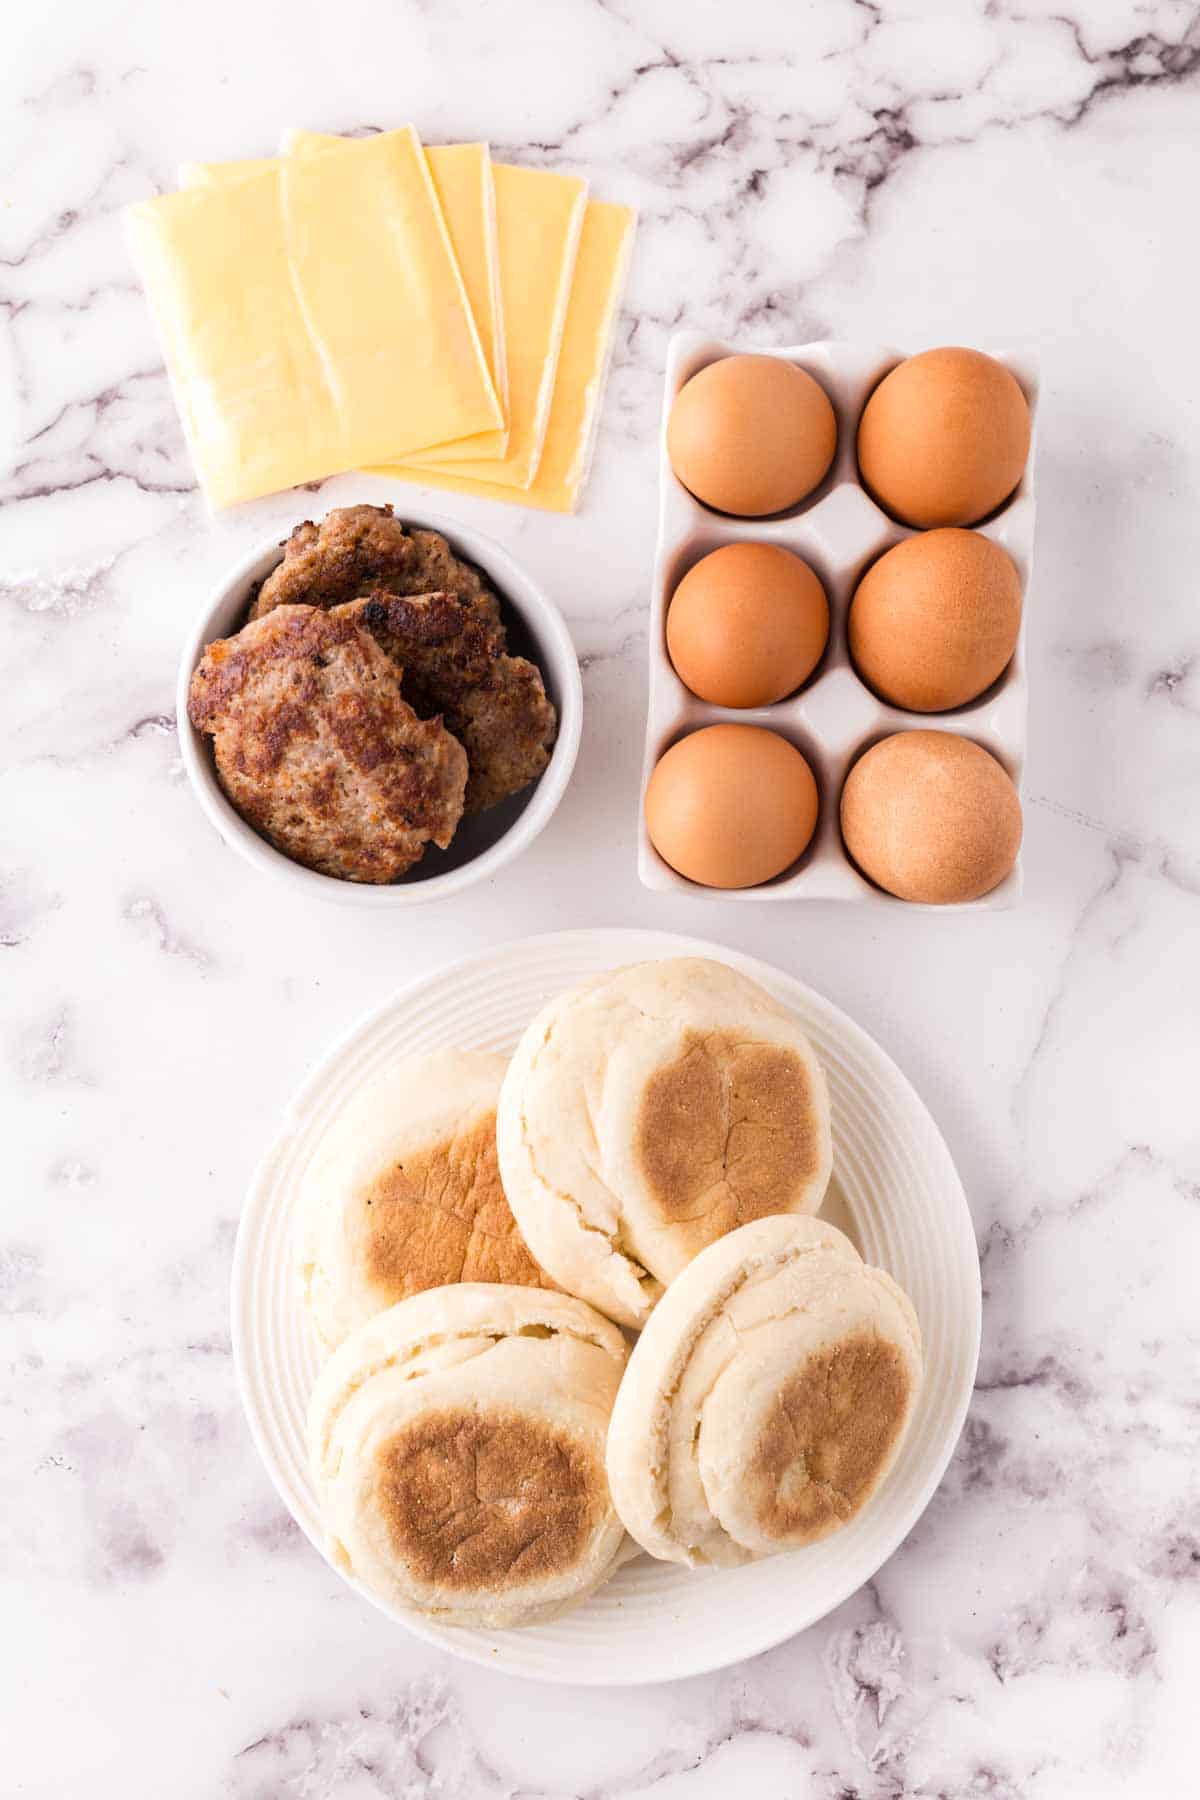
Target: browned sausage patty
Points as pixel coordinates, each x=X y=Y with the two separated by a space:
x=317 y=748
x=454 y=660
x=360 y=549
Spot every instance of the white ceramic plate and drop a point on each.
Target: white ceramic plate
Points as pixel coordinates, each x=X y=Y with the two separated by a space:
x=896 y=1191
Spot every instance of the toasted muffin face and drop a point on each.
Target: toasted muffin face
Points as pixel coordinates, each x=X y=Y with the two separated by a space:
x=404 y=1193
x=452 y=653
x=358 y=549
x=766 y=1399
x=726 y=1133
x=318 y=750
x=486 y=1504
x=437 y=1215
x=458 y=1447
x=825 y=1437
x=647 y=1113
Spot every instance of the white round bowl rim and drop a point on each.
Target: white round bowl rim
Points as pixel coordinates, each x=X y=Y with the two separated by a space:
x=553 y=640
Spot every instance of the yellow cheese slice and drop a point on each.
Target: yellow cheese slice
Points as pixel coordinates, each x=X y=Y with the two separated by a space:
x=377 y=272
x=600 y=270
x=539 y=216
x=537 y=220
x=248 y=380
x=462 y=175
x=313 y=317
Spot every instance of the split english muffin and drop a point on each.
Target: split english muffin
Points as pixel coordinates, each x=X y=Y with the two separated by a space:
x=404 y=1193
x=647 y=1113
x=458 y=1446
x=766 y=1399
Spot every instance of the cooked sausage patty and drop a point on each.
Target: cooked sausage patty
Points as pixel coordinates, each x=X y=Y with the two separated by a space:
x=317 y=748
x=360 y=549
x=455 y=664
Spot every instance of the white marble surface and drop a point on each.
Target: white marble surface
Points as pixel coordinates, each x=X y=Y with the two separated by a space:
x=964 y=172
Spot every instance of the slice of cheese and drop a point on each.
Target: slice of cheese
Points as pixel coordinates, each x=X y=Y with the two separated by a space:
x=313 y=317
x=539 y=216
x=600 y=270
x=376 y=271
x=462 y=175
x=247 y=377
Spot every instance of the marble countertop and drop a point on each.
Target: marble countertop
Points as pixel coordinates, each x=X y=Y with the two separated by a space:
x=894 y=171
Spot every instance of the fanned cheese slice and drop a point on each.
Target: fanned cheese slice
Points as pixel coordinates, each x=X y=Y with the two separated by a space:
x=600 y=270
x=375 y=266
x=248 y=379
x=462 y=175
x=313 y=317
x=539 y=217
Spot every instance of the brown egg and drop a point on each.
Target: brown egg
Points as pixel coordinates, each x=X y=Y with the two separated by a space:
x=935 y=620
x=751 y=435
x=731 y=805
x=930 y=816
x=944 y=438
x=747 y=624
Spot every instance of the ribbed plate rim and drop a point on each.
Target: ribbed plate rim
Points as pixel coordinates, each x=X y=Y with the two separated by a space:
x=264 y=1313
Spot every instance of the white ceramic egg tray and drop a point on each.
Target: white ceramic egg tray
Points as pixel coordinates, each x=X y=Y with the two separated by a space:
x=834 y=717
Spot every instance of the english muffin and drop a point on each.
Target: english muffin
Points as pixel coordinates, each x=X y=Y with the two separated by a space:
x=403 y=1193
x=457 y=1443
x=454 y=662
x=766 y=1399
x=317 y=748
x=359 y=549
x=647 y=1113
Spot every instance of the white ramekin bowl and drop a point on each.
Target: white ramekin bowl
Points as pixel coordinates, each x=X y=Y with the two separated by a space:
x=483 y=843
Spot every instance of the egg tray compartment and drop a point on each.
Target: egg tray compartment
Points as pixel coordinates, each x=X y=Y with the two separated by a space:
x=839 y=530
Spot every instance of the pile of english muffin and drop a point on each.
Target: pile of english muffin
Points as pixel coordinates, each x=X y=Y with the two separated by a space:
x=581 y=1293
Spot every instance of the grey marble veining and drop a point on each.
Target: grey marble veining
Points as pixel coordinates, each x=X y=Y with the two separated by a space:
x=914 y=173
